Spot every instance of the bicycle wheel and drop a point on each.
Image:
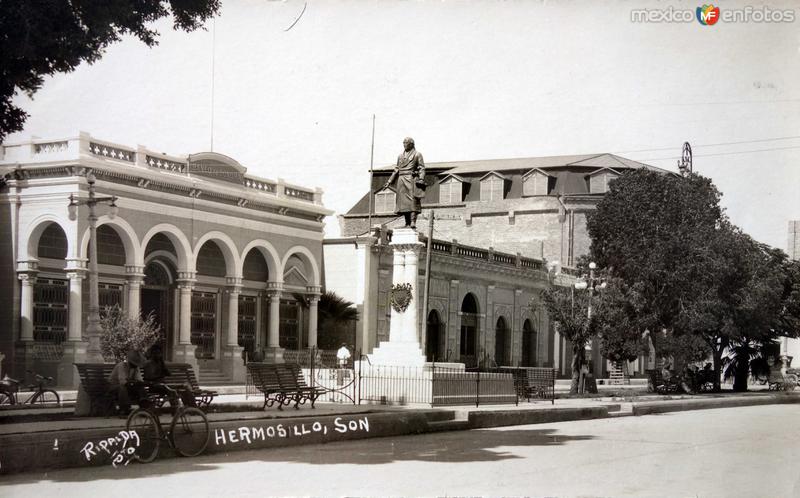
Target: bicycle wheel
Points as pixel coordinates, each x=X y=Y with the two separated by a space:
x=147 y=429
x=190 y=432
x=46 y=396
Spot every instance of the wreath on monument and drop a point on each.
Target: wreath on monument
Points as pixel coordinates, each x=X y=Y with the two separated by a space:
x=400 y=297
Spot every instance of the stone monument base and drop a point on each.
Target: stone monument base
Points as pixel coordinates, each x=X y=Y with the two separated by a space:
x=395 y=353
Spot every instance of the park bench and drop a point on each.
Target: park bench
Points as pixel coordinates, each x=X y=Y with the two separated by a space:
x=282 y=384
x=657 y=383
x=779 y=382
x=94 y=378
x=533 y=382
x=181 y=376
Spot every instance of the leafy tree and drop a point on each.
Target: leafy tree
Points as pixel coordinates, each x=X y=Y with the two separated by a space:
x=618 y=313
x=645 y=230
x=43 y=37
x=568 y=310
x=121 y=333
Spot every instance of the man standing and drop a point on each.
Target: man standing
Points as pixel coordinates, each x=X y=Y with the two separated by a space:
x=410 y=188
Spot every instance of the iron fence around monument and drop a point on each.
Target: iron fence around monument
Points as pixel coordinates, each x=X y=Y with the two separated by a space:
x=433 y=385
x=360 y=382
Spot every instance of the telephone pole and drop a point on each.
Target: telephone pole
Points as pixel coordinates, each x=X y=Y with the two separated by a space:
x=428 y=252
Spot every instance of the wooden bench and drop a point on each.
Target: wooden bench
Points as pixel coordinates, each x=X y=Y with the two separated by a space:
x=282 y=384
x=181 y=376
x=94 y=379
x=779 y=382
x=657 y=383
x=534 y=382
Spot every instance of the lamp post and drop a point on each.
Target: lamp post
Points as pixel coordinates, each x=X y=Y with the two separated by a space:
x=589 y=283
x=93 y=320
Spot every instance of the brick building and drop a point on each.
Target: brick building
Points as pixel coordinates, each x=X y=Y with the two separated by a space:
x=222 y=258
x=504 y=229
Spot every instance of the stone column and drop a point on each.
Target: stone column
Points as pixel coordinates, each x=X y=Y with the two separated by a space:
x=76 y=278
x=74 y=349
x=396 y=319
x=184 y=352
x=313 y=310
x=24 y=354
x=234 y=291
x=403 y=348
x=135 y=276
x=273 y=352
x=232 y=360
x=27 y=281
x=411 y=327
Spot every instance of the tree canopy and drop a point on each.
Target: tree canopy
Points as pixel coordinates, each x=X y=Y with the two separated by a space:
x=701 y=285
x=44 y=37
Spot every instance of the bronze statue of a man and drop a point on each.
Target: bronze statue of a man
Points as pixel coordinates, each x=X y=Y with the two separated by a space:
x=410 y=188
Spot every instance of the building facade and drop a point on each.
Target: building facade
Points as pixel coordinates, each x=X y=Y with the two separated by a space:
x=503 y=230
x=225 y=261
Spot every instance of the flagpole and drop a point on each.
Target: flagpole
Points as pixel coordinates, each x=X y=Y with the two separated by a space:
x=371 y=158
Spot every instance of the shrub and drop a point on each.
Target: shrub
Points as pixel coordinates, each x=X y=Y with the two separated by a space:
x=121 y=333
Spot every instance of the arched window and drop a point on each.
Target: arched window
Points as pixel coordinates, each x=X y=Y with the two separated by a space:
x=433 y=337
x=500 y=342
x=528 y=345
x=469 y=331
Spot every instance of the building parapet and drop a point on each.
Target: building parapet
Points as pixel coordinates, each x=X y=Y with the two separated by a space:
x=46 y=152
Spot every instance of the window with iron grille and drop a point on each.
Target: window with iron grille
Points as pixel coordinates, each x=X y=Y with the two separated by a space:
x=247 y=323
x=204 y=323
x=50 y=310
x=289 y=330
x=109 y=295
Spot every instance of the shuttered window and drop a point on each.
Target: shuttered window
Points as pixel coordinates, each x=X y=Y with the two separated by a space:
x=535 y=184
x=598 y=184
x=492 y=188
x=450 y=192
x=384 y=202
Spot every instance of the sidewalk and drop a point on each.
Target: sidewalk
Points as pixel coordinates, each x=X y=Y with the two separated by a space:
x=29 y=441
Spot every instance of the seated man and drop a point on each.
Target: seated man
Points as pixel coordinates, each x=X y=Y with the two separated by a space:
x=126 y=383
x=155 y=373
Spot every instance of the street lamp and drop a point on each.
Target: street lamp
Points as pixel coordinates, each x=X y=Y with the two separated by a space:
x=590 y=283
x=93 y=320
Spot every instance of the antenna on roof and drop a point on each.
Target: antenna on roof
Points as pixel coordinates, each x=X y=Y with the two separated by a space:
x=685 y=164
x=213 y=54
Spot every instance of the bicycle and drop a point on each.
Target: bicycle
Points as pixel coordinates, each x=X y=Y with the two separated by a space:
x=188 y=433
x=9 y=389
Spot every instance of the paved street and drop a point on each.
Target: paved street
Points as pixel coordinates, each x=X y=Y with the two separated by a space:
x=750 y=452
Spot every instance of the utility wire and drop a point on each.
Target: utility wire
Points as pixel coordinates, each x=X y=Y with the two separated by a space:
x=712 y=145
x=722 y=153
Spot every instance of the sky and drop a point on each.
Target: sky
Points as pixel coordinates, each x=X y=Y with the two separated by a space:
x=468 y=80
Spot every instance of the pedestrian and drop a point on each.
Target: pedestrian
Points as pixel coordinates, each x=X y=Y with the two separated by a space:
x=343 y=355
x=126 y=382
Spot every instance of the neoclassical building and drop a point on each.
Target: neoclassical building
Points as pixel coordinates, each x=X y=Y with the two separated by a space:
x=225 y=261
x=484 y=306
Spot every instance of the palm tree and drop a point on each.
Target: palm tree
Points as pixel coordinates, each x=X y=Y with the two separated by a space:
x=334 y=316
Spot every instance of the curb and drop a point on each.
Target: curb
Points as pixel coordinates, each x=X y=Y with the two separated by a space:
x=709 y=404
x=114 y=446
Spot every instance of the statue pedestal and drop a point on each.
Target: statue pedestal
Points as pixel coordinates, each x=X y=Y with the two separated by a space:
x=403 y=347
